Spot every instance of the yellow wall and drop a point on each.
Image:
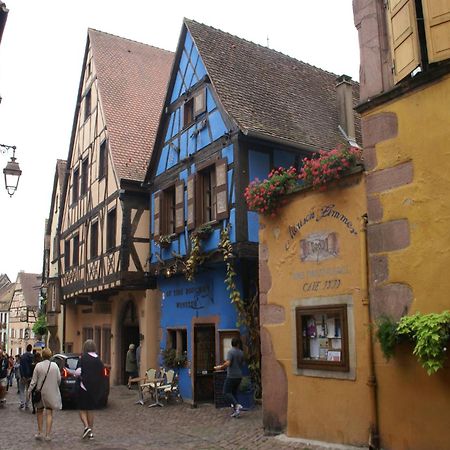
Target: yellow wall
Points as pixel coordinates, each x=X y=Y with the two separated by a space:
x=328 y=409
x=147 y=305
x=413 y=406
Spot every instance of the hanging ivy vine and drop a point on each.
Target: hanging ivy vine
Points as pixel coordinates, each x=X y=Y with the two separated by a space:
x=248 y=311
x=195 y=258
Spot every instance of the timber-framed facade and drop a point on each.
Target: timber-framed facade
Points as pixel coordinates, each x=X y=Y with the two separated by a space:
x=103 y=227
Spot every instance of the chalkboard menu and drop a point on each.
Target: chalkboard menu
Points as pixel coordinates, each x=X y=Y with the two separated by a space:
x=219 y=380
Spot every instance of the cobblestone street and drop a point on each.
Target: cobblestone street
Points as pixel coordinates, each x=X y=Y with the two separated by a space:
x=125 y=425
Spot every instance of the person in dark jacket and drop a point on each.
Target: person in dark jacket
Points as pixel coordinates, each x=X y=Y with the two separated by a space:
x=234 y=364
x=26 y=372
x=91 y=386
x=3 y=375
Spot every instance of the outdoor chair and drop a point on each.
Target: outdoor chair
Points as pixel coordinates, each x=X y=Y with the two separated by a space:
x=170 y=389
x=147 y=385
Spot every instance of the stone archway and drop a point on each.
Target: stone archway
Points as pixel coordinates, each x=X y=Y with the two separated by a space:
x=128 y=334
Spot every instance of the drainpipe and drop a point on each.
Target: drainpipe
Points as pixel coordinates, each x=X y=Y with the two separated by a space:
x=374 y=438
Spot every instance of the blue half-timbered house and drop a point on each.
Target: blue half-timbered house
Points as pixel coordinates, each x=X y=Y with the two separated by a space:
x=233 y=111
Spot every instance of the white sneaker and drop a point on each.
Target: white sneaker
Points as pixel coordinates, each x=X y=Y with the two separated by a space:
x=239 y=408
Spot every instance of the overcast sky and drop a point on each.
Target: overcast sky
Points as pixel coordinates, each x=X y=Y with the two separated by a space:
x=41 y=55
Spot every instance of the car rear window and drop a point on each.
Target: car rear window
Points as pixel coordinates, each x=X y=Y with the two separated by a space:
x=72 y=363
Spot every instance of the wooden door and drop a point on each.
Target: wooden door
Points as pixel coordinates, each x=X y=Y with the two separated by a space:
x=204 y=360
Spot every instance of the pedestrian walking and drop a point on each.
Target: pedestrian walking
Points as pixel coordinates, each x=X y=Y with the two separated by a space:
x=3 y=376
x=10 y=372
x=17 y=372
x=46 y=379
x=91 y=386
x=26 y=372
x=131 y=364
x=233 y=364
x=138 y=355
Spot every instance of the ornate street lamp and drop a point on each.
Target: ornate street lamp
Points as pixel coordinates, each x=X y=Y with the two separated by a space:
x=12 y=170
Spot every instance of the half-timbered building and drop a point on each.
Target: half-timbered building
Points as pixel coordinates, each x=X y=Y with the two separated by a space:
x=6 y=294
x=50 y=272
x=104 y=223
x=23 y=312
x=234 y=110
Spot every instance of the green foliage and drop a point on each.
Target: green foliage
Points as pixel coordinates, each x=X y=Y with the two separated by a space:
x=172 y=360
x=386 y=334
x=40 y=326
x=195 y=258
x=246 y=384
x=429 y=333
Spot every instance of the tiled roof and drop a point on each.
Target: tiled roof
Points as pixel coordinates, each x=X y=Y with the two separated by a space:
x=132 y=81
x=6 y=295
x=30 y=284
x=269 y=93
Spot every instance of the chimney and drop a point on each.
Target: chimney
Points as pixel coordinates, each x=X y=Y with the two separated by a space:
x=344 y=93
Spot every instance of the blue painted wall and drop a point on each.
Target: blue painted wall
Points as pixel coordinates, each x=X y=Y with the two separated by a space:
x=183 y=301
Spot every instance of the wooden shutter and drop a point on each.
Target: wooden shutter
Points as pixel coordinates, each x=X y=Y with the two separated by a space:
x=179 y=206
x=437 y=28
x=404 y=39
x=221 y=189
x=200 y=102
x=191 y=202
x=157 y=216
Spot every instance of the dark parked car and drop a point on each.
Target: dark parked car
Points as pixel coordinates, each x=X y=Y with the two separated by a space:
x=67 y=363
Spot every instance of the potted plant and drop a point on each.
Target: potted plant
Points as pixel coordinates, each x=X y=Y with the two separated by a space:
x=329 y=166
x=204 y=231
x=40 y=326
x=165 y=241
x=266 y=197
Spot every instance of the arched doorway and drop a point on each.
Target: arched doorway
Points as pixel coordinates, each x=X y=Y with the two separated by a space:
x=130 y=334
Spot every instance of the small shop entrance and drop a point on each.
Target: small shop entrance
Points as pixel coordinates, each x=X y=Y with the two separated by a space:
x=204 y=360
x=130 y=335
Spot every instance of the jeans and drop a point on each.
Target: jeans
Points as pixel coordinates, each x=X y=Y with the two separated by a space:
x=24 y=383
x=230 y=389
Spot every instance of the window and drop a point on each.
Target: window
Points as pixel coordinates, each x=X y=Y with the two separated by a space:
x=193 y=107
x=111 y=229
x=75 y=185
x=87 y=104
x=94 y=239
x=418 y=33
x=102 y=160
x=322 y=338
x=207 y=187
x=55 y=247
x=98 y=340
x=76 y=250
x=84 y=176
x=177 y=340
x=88 y=333
x=106 y=345
x=67 y=254
x=207 y=194
x=169 y=210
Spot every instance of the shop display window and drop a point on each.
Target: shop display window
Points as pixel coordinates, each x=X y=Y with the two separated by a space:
x=322 y=337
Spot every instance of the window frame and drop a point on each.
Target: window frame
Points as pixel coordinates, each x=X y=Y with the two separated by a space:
x=67 y=254
x=321 y=364
x=111 y=234
x=76 y=185
x=181 y=342
x=84 y=183
x=93 y=244
x=102 y=160
x=194 y=106
x=76 y=250
x=87 y=104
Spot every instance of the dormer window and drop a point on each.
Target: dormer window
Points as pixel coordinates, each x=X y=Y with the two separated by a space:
x=194 y=106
